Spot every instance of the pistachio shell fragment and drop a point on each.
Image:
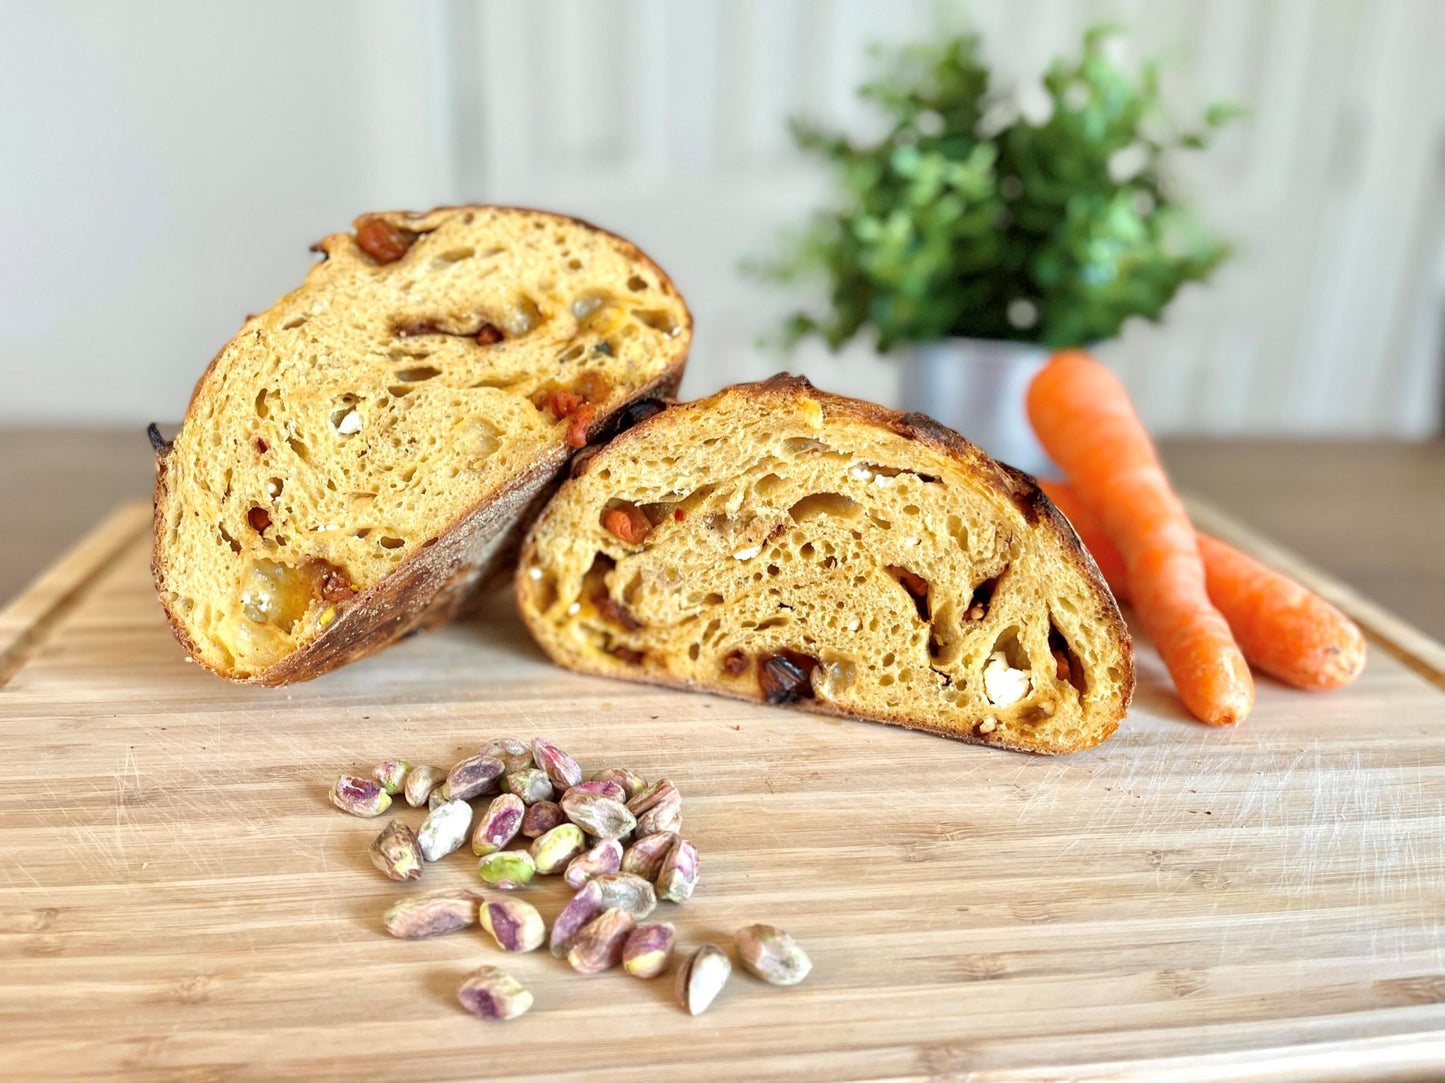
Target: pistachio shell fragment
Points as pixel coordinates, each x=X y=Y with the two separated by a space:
x=360 y=796
x=397 y=853
x=772 y=954
x=514 y=924
x=492 y=993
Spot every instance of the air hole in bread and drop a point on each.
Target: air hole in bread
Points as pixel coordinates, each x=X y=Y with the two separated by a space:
x=637 y=284
x=418 y=374
x=981 y=598
x=389 y=542
x=226 y=537
x=1067 y=664
x=573 y=354
x=1009 y=645
x=262 y=410
x=915 y=585
x=574 y=264
x=658 y=319
x=294 y=322
x=299 y=449
x=274 y=487
x=816 y=504
x=767 y=485
x=456 y=255
x=694 y=652
x=399 y=391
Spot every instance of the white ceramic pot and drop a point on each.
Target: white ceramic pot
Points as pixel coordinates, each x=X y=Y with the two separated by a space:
x=976 y=387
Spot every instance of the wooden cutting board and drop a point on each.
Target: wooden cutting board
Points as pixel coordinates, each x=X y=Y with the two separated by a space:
x=179 y=901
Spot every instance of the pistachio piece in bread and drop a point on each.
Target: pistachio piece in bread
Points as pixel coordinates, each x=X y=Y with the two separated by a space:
x=360 y=455
x=777 y=543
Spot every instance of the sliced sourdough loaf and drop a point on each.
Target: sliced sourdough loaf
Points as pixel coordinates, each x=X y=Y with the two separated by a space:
x=773 y=542
x=355 y=460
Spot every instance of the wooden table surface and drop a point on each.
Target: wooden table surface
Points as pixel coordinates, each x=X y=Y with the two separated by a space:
x=178 y=900
x=1371 y=514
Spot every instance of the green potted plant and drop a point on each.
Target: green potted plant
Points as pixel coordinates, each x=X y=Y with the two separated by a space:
x=982 y=240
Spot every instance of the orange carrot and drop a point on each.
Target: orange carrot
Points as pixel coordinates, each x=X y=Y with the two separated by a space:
x=1085 y=421
x=1284 y=629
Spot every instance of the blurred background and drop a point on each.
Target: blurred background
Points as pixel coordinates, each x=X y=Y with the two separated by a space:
x=166 y=165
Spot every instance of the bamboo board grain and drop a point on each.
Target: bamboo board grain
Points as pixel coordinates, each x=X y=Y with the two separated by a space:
x=179 y=901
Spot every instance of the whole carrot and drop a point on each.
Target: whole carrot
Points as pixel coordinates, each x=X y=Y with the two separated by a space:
x=1085 y=421
x=1284 y=629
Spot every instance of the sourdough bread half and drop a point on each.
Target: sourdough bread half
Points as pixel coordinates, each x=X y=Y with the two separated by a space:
x=358 y=457
x=774 y=542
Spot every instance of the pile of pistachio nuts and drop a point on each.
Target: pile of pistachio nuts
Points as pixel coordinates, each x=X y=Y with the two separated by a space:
x=614 y=838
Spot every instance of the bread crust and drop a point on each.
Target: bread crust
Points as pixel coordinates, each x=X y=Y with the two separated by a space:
x=1014 y=484
x=446 y=577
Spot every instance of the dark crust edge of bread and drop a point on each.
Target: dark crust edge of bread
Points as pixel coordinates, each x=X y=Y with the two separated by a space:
x=1035 y=506
x=438 y=582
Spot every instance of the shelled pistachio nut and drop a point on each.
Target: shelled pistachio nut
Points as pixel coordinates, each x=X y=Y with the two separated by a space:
x=772 y=954
x=645 y=856
x=632 y=893
x=598 y=944
x=360 y=796
x=600 y=816
x=392 y=775
x=552 y=851
x=416 y=917
x=631 y=782
x=397 y=853
x=702 y=977
x=561 y=768
x=473 y=777
x=420 y=782
x=515 y=755
x=601 y=787
x=648 y=949
x=583 y=908
x=542 y=817
x=678 y=875
x=444 y=829
x=515 y=925
x=531 y=784
x=507 y=869
x=657 y=808
x=499 y=824
x=604 y=857
x=492 y=993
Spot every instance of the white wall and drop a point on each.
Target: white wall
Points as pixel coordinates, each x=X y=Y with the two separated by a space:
x=164 y=166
